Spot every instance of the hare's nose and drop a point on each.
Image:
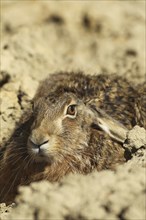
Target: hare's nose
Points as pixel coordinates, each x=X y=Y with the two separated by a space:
x=37 y=145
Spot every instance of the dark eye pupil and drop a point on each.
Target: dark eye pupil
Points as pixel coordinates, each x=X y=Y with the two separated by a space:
x=32 y=105
x=71 y=110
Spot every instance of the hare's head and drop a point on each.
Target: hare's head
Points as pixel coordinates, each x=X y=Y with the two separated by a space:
x=60 y=127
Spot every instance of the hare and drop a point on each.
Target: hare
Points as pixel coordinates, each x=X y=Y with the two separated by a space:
x=77 y=124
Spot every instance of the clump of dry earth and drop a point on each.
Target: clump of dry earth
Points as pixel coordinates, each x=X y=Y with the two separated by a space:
x=41 y=37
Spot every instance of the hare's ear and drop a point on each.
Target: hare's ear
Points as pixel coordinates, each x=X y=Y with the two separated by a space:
x=101 y=120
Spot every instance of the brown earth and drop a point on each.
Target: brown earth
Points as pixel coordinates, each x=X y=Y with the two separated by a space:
x=41 y=37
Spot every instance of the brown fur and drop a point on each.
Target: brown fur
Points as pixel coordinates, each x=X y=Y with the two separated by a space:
x=80 y=146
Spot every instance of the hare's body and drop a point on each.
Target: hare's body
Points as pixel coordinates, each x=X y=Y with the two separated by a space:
x=60 y=136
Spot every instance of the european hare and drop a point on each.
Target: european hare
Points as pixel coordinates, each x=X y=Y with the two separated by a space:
x=77 y=125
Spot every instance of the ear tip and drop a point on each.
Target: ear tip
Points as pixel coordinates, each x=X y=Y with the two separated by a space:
x=107 y=124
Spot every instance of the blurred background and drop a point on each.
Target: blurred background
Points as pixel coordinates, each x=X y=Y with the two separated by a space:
x=94 y=36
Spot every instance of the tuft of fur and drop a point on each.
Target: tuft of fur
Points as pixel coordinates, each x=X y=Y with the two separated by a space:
x=75 y=145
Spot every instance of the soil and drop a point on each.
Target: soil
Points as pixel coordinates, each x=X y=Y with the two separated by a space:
x=42 y=37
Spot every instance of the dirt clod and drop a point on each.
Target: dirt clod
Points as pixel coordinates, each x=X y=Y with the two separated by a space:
x=136 y=138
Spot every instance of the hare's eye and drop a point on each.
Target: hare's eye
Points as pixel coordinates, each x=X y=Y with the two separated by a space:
x=71 y=110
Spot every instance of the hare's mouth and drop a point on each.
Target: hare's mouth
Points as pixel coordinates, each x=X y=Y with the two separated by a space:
x=39 y=151
x=41 y=156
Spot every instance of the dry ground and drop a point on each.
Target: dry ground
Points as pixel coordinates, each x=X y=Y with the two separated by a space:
x=41 y=37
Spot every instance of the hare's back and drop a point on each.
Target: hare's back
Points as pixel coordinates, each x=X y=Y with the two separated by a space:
x=113 y=94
